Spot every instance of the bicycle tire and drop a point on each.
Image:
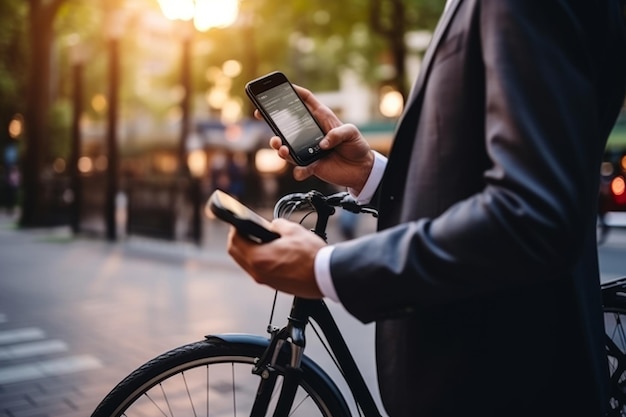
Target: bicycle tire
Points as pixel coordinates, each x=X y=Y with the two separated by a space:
x=615 y=328
x=183 y=382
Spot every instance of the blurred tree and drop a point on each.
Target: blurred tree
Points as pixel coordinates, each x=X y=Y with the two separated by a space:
x=77 y=29
x=13 y=65
x=392 y=19
x=40 y=92
x=40 y=20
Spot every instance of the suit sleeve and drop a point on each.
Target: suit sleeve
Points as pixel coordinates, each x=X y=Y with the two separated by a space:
x=527 y=224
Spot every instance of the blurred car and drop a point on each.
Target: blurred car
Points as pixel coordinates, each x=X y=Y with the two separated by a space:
x=613 y=182
x=612 y=196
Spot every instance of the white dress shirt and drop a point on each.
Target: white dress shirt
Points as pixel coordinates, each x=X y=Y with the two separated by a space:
x=322 y=259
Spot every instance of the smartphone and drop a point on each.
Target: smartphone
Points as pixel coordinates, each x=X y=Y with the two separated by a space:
x=288 y=116
x=248 y=223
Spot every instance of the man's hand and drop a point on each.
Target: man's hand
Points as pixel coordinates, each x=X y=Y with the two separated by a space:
x=286 y=263
x=351 y=160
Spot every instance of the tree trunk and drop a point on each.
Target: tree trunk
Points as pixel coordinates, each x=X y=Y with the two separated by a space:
x=40 y=30
x=394 y=34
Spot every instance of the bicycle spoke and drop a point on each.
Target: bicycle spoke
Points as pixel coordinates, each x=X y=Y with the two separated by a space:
x=234 y=390
x=166 y=400
x=156 y=405
x=619 y=331
x=299 y=404
x=189 y=395
x=616 y=354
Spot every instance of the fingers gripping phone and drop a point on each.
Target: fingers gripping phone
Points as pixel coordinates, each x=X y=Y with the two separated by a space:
x=247 y=222
x=288 y=116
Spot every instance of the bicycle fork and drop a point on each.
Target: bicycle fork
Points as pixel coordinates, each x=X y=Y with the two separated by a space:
x=294 y=334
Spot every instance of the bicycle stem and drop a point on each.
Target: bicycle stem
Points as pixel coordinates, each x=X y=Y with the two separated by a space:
x=324 y=211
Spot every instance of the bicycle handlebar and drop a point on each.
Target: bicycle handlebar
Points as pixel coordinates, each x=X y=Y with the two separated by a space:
x=323 y=205
x=320 y=203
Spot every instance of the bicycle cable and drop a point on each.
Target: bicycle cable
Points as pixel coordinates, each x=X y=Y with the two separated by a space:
x=292 y=206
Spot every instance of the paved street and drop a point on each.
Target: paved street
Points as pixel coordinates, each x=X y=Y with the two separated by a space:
x=78 y=314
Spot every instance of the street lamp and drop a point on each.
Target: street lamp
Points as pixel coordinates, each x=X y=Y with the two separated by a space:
x=206 y=14
x=114 y=29
x=77 y=58
x=197 y=163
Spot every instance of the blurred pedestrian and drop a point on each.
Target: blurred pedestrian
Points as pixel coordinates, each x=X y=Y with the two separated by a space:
x=227 y=174
x=348 y=223
x=12 y=188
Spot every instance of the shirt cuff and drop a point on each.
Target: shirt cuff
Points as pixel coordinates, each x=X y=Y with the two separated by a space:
x=322 y=273
x=378 y=169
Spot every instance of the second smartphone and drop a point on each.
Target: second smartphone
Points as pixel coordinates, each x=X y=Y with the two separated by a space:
x=288 y=116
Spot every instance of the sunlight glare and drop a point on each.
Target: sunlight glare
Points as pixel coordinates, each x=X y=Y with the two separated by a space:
x=215 y=13
x=177 y=9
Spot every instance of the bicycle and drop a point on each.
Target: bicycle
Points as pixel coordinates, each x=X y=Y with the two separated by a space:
x=257 y=376
x=614 y=305
x=241 y=374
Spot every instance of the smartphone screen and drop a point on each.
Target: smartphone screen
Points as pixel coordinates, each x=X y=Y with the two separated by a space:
x=288 y=116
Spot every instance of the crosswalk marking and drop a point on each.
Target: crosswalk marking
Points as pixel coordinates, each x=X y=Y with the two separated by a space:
x=21 y=335
x=27 y=346
x=53 y=367
x=24 y=350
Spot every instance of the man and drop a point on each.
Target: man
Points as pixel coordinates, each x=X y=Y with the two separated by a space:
x=483 y=276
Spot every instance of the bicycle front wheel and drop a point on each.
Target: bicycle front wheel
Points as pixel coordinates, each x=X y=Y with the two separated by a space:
x=615 y=328
x=214 y=377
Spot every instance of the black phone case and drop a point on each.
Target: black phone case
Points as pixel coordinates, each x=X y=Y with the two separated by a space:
x=246 y=227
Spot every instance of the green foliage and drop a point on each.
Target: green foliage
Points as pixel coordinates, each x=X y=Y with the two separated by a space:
x=13 y=59
x=80 y=23
x=13 y=62
x=59 y=130
x=618 y=135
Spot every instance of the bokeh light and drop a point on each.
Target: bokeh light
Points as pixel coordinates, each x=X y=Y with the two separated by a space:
x=85 y=164
x=99 y=103
x=391 y=103
x=268 y=162
x=16 y=126
x=231 y=68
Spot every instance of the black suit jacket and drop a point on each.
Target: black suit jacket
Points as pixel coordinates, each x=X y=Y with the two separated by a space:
x=483 y=277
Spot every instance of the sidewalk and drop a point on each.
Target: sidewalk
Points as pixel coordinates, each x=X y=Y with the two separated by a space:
x=77 y=314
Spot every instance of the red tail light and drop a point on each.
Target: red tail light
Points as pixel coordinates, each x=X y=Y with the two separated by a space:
x=618 y=189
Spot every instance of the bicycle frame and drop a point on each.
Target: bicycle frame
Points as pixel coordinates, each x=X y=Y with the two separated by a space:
x=319 y=312
x=303 y=310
